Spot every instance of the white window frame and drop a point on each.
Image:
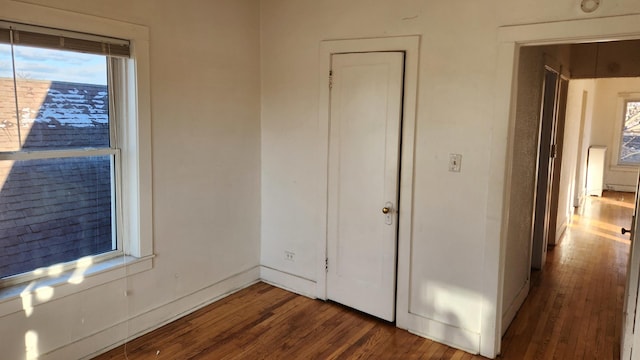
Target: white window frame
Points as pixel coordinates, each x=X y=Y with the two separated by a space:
x=135 y=227
x=621 y=108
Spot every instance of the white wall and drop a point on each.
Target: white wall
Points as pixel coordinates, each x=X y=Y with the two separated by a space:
x=205 y=105
x=446 y=285
x=605 y=129
x=451 y=277
x=588 y=86
x=580 y=101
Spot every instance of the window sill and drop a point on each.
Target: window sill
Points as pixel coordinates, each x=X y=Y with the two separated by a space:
x=25 y=296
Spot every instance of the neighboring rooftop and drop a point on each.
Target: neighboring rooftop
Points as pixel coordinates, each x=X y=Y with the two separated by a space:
x=53 y=210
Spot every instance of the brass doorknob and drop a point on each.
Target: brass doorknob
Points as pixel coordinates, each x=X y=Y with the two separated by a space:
x=385 y=210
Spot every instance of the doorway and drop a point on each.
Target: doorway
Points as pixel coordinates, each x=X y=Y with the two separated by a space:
x=563 y=189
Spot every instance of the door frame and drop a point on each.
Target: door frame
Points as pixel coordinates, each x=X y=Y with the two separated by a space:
x=557 y=230
x=510 y=39
x=410 y=45
x=544 y=159
x=627 y=343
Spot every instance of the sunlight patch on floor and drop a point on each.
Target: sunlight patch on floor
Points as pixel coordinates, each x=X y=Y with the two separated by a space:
x=616 y=201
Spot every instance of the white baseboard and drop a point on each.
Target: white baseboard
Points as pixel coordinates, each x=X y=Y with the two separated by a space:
x=517 y=302
x=445 y=334
x=622 y=188
x=289 y=282
x=153 y=319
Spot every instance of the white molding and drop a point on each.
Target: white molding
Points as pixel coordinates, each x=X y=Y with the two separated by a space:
x=624 y=27
x=410 y=45
x=153 y=319
x=500 y=182
x=289 y=282
x=621 y=188
x=443 y=333
x=510 y=38
x=515 y=305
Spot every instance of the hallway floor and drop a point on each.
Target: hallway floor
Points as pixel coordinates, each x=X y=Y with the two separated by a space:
x=574 y=308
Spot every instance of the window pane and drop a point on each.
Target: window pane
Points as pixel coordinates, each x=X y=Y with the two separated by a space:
x=62 y=99
x=53 y=211
x=9 y=140
x=630 y=147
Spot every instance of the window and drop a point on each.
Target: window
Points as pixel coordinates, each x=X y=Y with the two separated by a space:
x=60 y=152
x=629 y=152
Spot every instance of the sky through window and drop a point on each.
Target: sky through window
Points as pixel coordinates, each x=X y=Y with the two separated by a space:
x=53 y=65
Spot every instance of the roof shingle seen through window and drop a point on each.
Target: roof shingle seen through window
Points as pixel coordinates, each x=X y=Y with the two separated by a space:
x=53 y=210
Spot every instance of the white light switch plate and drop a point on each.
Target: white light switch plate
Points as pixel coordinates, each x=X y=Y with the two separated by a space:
x=455 y=161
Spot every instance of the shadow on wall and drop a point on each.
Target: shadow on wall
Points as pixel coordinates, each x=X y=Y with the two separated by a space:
x=445 y=303
x=57 y=209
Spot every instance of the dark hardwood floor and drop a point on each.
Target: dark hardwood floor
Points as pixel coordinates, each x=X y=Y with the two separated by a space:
x=574 y=308
x=265 y=322
x=573 y=312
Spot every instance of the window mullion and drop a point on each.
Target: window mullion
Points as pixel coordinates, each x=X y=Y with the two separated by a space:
x=52 y=154
x=115 y=89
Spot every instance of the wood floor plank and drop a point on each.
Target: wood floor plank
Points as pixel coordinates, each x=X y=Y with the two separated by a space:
x=573 y=311
x=574 y=308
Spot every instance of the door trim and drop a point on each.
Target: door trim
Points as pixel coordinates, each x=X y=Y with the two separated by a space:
x=410 y=45
x=510 y=39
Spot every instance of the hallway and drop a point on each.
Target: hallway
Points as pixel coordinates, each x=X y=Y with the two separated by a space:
x=574 y=308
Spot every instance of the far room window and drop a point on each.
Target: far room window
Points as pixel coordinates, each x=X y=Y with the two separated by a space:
x=630 y=138
x=60 y=161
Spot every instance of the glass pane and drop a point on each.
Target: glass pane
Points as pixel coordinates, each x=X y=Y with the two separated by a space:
x=62 y=99
x=53 y=211
x=9 y=138
x=630 y=147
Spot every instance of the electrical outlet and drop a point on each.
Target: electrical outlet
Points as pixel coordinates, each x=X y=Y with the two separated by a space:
x=455 y=161
x=289 y=255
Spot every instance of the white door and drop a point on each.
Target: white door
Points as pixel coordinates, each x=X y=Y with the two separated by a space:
x=630 y=323
x=364 y=154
